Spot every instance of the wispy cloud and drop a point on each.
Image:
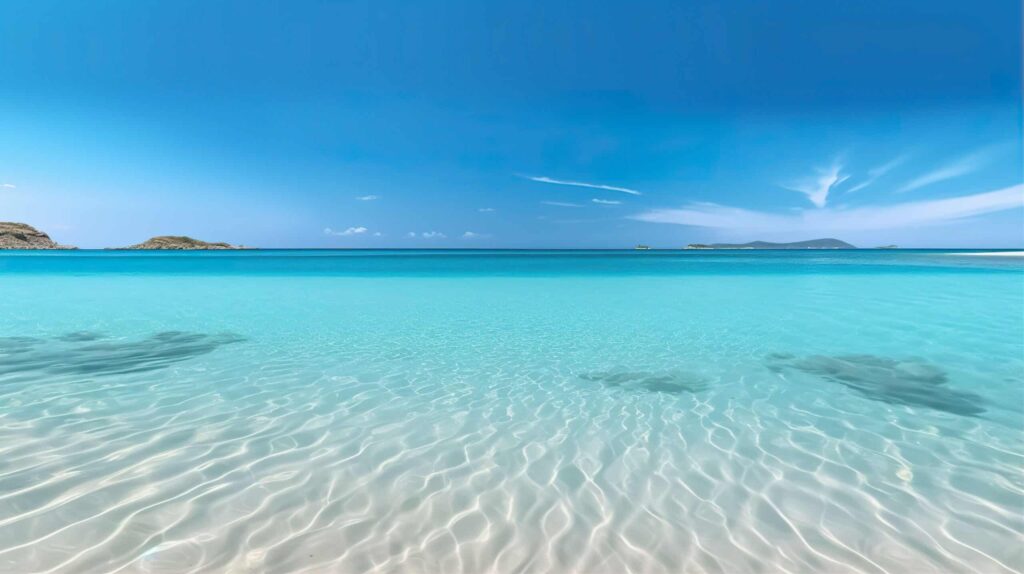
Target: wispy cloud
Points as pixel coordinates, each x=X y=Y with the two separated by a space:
x=817 y=187
x=486 y=210
x=962 y=166
x=561 y=204
x=367 y=197
x=474 y=235
x=348 y=232
x=877 y=172
x=8 y=185
x=606 y=201
x=433 y=235
x=582 y=184
x=897 y=216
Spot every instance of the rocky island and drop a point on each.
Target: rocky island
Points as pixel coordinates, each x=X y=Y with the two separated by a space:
x=180 y=242
x=827 y=243
x=24 y=236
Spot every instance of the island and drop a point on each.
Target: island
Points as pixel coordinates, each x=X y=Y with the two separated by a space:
x=827 y=243
x=24 y=236
x=180 y=242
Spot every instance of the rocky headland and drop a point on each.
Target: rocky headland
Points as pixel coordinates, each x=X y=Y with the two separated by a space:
x=24 y=236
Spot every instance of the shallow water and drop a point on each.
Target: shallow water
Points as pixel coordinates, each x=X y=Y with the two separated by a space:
x=311 y=411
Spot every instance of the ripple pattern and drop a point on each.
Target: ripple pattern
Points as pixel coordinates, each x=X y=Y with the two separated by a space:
x=490 y=425
x=285 y=469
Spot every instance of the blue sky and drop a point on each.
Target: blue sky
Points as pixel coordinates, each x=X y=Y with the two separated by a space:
x=513 y=124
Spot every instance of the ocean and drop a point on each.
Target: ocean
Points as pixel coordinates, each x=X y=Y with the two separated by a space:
x=511 y=411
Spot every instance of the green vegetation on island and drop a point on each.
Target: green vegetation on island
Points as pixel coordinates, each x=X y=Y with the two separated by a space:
x=180 y=242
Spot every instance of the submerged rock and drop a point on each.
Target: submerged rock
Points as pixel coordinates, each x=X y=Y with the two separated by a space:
x=180 y=242
x=657 y=382
x=24 y=236
x=902 y=382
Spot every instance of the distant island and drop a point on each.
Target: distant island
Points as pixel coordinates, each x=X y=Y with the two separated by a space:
x=24 y=236
x=827 y=243
x=180 y=242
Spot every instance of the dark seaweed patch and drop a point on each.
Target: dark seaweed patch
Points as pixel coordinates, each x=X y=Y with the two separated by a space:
x=909 y=383
x=79 y=337
x=12 y=345
x=114 y=357
x=656 y=382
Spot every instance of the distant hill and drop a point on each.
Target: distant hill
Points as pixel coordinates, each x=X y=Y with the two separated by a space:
x=811 y=244
x=179 y=242
x=24 y=236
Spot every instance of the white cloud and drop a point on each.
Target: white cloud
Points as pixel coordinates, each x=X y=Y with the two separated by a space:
x=411 y=234
x=472 y=235
x=606 y=201
x=816 y=188
x=486 y=210
x=367 y=197
x=348 y=232
x=561 y=204
x=8 y=185
x=877 y=172
x=961 y=166
x=433 y=235
x=897 y=216
x=377 y=234
x=582 y=184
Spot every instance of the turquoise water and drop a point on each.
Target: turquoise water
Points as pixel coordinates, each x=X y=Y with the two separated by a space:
x=417 y=411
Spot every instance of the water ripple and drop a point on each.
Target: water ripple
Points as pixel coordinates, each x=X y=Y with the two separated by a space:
x=223 y=467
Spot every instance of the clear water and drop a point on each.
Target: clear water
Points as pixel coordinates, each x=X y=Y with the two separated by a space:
x=312 y=411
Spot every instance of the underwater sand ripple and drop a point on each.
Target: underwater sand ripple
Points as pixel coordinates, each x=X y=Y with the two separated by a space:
x=265 y=464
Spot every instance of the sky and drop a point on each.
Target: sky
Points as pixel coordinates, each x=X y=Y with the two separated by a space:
x=526 y=124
